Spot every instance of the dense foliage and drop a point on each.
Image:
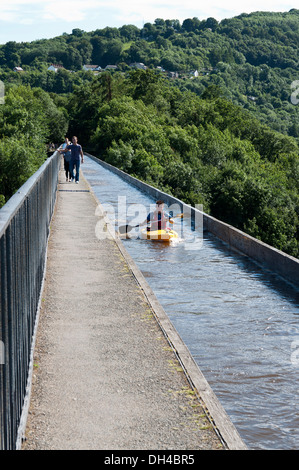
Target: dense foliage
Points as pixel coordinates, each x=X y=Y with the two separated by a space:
x=206 y=151
x=28 y=119
x=227 y=139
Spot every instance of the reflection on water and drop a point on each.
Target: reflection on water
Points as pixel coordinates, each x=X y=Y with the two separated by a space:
x=239 y=321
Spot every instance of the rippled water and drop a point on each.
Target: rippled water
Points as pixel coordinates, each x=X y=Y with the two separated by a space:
x=240 y=322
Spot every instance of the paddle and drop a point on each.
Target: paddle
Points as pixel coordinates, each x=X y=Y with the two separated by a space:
x=127 y=228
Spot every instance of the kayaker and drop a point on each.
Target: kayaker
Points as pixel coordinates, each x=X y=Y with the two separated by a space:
x=158 y=219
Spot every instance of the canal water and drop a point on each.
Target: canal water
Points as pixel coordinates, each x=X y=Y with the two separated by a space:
x=239 y=321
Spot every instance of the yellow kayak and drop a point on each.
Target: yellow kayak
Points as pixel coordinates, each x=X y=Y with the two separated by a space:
x=158 y=235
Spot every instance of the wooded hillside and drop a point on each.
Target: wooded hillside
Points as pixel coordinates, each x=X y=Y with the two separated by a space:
x=227 y=138
x=252 y=58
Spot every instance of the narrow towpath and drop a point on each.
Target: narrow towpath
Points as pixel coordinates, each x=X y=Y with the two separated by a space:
x=104 y=374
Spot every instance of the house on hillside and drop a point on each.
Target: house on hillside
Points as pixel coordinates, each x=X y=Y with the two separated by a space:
x=111 y=67
x=138 y=65
x=92 y=68
x=18 y=69
x=55 y=68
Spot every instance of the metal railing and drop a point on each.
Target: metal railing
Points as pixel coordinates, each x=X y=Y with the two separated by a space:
x=24 y=229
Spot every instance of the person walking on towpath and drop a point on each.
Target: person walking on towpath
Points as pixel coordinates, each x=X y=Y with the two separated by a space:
x=76 y=153
x=67 y=159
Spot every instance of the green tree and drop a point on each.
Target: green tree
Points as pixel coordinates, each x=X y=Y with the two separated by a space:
x=27 y=120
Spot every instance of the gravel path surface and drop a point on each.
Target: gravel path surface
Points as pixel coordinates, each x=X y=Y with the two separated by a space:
x=104 y=374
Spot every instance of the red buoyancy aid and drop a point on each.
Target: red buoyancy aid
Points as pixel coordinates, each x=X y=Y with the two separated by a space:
x=158 y=224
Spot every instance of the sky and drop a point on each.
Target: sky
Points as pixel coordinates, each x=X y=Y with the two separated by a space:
x=29 y=20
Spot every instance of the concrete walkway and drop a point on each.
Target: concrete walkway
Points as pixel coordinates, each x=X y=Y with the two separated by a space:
x=104 y=374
